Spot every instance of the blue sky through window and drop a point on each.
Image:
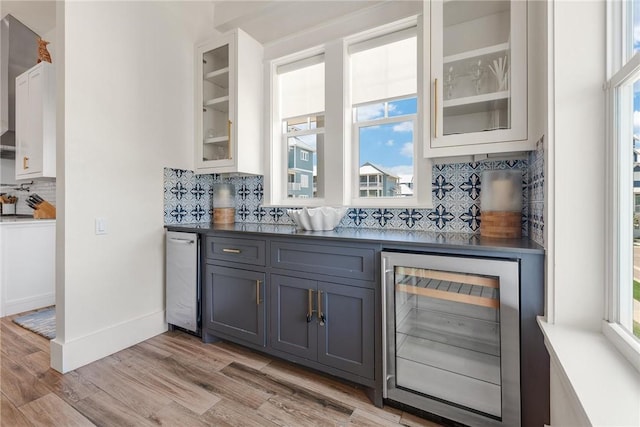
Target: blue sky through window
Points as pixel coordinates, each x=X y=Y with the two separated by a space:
x=388 y=145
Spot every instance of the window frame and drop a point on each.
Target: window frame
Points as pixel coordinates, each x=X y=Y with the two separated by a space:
x=622 y=70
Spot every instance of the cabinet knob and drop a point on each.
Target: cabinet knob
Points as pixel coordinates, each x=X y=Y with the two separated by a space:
x=25 y=162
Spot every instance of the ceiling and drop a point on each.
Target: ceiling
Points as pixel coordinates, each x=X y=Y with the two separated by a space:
x=267 y=21
x=39 y=16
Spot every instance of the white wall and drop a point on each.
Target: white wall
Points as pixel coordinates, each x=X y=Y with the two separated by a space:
x=577 y=164
x=127 y=112
x=575 y=183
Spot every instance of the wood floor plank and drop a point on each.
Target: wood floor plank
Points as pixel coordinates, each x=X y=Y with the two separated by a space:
x=104 y=410
x=170 y=386
x=193 y=354
x=37 y=363
x=19 y=385
x=50 y=410
x=322 y=385
x=367 y=419
x=144 y=400
x=71 y=386
x=287 y=411
x=230 y=413
x=243 y=355
x=253 y=378
x=19 y=346
x=411 y=420
x=211 y=381
x=10 y=415
x=176 y=415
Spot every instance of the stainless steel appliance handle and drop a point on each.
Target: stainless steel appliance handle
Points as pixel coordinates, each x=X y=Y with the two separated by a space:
x=183 y=241
x=384 y=327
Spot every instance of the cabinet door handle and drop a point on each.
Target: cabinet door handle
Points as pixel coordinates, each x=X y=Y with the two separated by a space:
x=435 y=109
x=258 y=302
x=231 y=251
x=229 y=123
x=321 y=318
x=309 y=305
x=25 y=162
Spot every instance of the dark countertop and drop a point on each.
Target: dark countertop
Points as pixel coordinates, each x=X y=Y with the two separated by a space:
x=385 y=237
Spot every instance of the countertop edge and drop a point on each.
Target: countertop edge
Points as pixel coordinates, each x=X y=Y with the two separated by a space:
x=393 y=239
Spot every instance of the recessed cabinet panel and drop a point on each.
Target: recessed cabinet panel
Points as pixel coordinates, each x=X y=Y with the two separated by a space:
x=293 y=320
x=346 y=336
x=234 y=301
x=478 y=77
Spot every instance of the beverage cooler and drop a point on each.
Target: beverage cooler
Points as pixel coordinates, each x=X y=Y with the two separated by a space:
x=451 y=336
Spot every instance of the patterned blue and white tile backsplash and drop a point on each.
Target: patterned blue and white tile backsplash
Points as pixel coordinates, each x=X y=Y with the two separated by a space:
x=456 y=199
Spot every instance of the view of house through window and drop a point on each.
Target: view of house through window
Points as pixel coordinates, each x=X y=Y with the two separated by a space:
x=301 y=86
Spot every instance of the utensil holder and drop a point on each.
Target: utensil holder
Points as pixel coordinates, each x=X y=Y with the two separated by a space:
x=44 y=210
x=8 y=209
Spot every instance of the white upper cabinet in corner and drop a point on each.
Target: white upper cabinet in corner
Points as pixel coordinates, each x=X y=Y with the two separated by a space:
x=478 y=86
x=36 y=122
x=228 y=102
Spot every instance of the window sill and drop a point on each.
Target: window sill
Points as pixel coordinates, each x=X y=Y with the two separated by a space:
x=605 y=385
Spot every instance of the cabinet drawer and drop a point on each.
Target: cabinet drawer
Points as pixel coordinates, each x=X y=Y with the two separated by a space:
x=236 y=250
x=343 y=261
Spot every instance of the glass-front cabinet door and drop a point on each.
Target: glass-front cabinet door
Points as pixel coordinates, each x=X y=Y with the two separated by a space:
x=215 y=132
x=228 y=105
x=478 y=72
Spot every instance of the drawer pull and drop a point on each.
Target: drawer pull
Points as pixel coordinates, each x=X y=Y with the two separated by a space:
x=231 y=251
x=321 y=318
x=309 y=305
x=258 y=302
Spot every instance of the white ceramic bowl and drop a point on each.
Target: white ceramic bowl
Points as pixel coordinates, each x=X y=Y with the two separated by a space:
x=317 y=219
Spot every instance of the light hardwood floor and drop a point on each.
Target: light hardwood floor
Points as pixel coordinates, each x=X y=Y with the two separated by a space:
x=175 y=380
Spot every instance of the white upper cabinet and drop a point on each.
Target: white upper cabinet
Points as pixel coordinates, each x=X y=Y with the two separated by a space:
x=36 y=123
x=228 y=102
x=478 y=86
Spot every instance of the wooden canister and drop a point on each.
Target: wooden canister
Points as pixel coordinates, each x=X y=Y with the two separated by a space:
x=504 y=225
x=224 y=215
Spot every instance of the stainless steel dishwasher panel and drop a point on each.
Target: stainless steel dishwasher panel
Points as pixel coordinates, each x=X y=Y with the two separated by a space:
x=182 y=280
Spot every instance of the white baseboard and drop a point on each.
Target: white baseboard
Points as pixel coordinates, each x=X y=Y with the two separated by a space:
x=72 y=354
x=26 y=304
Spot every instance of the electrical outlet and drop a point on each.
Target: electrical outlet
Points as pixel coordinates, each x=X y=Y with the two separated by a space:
x=101 y=226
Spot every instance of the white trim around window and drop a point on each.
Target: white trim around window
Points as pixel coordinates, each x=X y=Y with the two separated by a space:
x=618 y=323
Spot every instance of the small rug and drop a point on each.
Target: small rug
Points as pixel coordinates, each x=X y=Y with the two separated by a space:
x=41 y=322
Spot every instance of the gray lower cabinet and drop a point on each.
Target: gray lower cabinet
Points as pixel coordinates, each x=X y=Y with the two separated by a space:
x=234 y=303
x=330 y=323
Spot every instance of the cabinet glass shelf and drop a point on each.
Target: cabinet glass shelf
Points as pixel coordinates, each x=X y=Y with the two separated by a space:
x=218 y=77
x=486 y=53
x=220 y=104
x=219 y=140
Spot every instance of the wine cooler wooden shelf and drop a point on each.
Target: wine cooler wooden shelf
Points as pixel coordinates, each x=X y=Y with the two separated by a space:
x=467 y=289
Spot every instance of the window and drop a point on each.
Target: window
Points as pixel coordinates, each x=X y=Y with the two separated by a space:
x=623 y=95
x=347 y=115
x=301 y=104
x=384 y=112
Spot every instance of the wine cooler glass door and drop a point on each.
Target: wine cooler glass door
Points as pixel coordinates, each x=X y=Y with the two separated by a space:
x=452 y=333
